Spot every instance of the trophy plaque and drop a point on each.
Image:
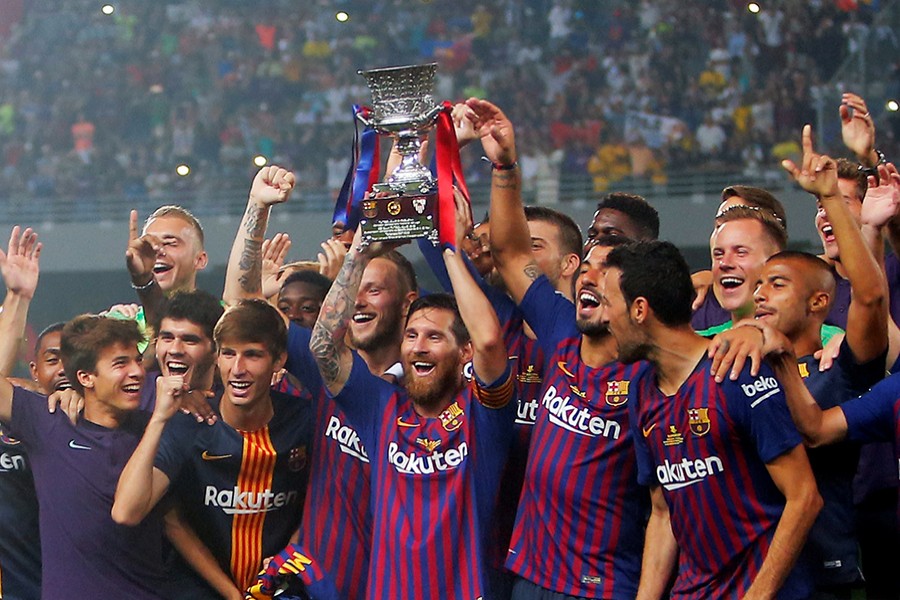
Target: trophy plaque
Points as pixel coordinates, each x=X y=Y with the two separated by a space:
x=403 y=108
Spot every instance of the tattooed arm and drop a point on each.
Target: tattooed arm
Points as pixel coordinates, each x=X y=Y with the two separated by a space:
x=243 y=278
x=332 y=355
x=510 y=237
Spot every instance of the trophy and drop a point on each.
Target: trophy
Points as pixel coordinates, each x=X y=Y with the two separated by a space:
x=403 y=107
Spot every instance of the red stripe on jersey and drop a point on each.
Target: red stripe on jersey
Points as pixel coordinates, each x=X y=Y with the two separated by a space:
x=257 y=467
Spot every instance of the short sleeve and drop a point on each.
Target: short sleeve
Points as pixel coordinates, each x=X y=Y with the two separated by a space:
x=177 y=437
x=757 y=406
x=646 y=472
x=363 y=399
x=28 y=411
x=550 y=314
x=870 y=418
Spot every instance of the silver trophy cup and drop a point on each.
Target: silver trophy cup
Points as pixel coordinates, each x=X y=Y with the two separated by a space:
x=403 y=107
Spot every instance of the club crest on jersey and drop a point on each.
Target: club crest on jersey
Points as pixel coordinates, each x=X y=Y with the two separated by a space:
x=452 y=418
x=674 y=437
x=617 y=392
x=529 y=376
x=5 y=439
x=429 y=445
x=297 y=459
x=804 y=370
x=699 y=420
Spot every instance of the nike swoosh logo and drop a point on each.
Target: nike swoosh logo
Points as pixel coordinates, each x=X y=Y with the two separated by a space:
x=562 y=366
x=76 y=446
x=402 y=423
x=647 y=430
x=207 y=456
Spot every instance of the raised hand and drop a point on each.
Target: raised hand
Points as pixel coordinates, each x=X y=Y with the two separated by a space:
x=464 y=221
x=857 y=127
x=140 y=256
x=272 y=185
x=20 y=264
x=882 y=201
x=274 y=252
x=465 y=129
x=817 y=173
x=168 y=396
x=495 y=130
x=331 y=258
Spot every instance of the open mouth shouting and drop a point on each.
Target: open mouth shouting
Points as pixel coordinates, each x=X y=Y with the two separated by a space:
x=132 y=389
x=423 y=368
x=588 y=302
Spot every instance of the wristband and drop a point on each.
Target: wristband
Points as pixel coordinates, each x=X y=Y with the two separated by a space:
x=873 y=170
x=141 y=288
x=500 y=167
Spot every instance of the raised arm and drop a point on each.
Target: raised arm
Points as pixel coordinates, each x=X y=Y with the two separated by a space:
x=20 y=267
x=140 y=256
x=867 y=317
x=510 y=237
x=243 y=277
x=141 y=484
x=327 y=344
x=490 y=357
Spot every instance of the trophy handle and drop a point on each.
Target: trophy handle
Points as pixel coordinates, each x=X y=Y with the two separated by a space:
x=363 y=120
x=431 y=115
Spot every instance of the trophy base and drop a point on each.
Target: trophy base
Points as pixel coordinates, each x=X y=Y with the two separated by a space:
x=399 y=216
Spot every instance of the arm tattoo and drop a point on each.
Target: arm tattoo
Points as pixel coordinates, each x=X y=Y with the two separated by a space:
x=251 y=266
x=327 y=342
x=532 y=271
x=255 y=221
x=505 y=180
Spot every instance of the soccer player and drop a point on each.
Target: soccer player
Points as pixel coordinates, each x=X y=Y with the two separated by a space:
x=579 y=525
x=438 y=444
x=794 y=296
x=732 y=490
x=240 y=482
x=301 y=296
x=337 y=524
x=624 y=215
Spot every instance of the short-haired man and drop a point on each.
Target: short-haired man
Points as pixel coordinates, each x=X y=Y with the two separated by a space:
x=732 y=490
x=239 y=482
x=301 y=296
x=626 y=215
x=339 y=537
x=437 y=444
x=578 y=539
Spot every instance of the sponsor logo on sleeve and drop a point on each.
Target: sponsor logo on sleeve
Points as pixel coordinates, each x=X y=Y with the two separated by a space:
x=760 y=389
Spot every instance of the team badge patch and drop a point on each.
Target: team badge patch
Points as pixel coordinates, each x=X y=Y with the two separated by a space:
x=452 y=418
x=699 y=420
x=429 y=445
x=674 y=437
x=617 y=392
x=529 y=376
x=370 y=209
x=297 y=459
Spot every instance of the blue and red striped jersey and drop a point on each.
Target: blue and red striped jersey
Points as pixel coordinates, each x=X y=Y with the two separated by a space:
x=20 y=544
x=337 y=520
x=707 y=446
x=875 y=417
x=434 y=484
x=579 y=529
x=241 y=491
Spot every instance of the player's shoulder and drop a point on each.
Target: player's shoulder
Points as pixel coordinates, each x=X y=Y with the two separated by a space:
x=754 y=389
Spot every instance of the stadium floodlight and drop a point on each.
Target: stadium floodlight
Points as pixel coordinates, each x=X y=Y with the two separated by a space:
x=107 y=9
x=260 y=161
x=892 y=105
x=342 y=16
x=753 y=7
x=183 y=170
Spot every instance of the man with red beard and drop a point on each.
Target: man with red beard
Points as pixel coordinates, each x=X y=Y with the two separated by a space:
x=438 y=444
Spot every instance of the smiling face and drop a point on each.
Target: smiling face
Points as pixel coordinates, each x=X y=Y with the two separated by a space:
x=378 y=312
x=588 y=293
x=180 y=256
x=432 y=357
x=849 y=192
x=114 y=387
x=47 y=367
x=246 y=369
x=615 y=314
x=183 y=348
x=739 y=251
x=793 y=296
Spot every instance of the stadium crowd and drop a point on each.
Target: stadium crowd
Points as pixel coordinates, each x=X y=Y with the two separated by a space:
x=604 y=90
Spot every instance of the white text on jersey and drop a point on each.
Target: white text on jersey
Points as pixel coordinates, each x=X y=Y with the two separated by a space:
x=580 y=421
